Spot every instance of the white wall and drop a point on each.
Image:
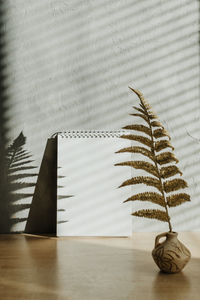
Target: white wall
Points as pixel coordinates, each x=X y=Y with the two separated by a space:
x=69 y=65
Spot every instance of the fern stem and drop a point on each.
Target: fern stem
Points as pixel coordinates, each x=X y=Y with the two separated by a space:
x=158 y=171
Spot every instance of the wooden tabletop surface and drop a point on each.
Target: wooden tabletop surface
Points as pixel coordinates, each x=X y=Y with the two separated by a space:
x=41 y=267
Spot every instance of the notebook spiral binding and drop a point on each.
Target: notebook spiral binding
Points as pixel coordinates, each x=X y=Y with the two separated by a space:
x=89 y=134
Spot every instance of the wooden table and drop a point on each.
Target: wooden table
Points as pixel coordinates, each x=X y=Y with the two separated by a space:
x=39 y=267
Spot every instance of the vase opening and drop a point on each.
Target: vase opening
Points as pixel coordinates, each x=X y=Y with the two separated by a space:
x=172 y=234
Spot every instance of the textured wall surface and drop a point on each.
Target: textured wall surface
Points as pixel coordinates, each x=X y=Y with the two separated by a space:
x=68 y=65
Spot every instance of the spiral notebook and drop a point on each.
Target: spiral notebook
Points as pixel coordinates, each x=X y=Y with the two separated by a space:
x=89 y=202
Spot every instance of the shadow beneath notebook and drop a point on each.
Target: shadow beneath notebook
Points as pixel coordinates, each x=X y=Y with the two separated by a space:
x=42 y=214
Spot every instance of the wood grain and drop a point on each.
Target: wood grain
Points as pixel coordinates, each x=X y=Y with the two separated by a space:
x=39 y=267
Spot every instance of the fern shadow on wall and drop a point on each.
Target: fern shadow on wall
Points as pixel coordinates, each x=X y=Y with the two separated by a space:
x=20 y=183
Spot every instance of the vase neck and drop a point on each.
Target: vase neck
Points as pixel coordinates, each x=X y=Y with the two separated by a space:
x=172 y=235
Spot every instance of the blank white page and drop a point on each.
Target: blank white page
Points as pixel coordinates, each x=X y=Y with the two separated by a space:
x=89 y=202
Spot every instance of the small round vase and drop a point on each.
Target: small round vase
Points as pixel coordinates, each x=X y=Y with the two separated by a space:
x=171 y=256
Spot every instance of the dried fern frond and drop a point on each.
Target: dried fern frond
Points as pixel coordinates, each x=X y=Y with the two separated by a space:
x=148 y=196
x=141 y=139
x=169 y=171
x=174 y=185
x=139 y=94
x=158 y=139
x=142 y=165
x=165 y=158
x=140 y=128
x=143 y=116
x=144 y=102
x=162 y=144
x=145 y=105
x=152 y=116
x=177 y=199
x=150 y=181
x=156 y=123
x=141 y=110
x=161 y=132
x=137 y=149
x=152 y=214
